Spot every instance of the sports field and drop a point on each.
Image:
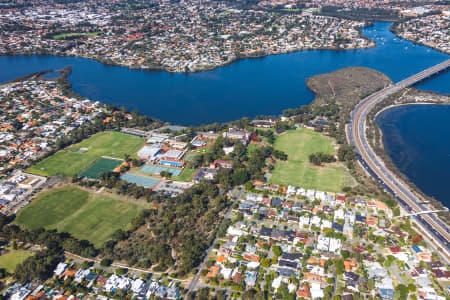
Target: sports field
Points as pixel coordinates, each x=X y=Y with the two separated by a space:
x=103 y=165
x=153 y=169
x=110 y=143
x=298 y=171
x=90 y=216
x=79 y=156
x=186 y=175
x=10 y=260
x=63 y=36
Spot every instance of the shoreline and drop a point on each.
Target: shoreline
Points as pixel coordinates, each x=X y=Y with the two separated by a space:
x=205 y=69
x=409 y=104
x=371 y=44
x=378 y=146
x=393 y=29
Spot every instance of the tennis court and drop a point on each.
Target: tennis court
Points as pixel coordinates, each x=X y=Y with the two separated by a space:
x=139 y=180
x=152 y=169
x=102 y=165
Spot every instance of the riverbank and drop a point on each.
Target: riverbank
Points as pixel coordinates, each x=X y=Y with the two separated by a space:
x=345 y=88
x=249 y=87
x=404 y=98
x=197 y=69
x=414 y=38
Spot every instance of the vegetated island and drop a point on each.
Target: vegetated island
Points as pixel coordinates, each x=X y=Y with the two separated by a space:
x=345 y=88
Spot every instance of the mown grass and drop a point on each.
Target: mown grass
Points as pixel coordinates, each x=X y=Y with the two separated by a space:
x=186 y=175
x=66 y=163
x=63 y=36
x=298 y=171
x=85 y=215
x=10 y=260
x=52 y=207
x=110 y=143
x=79 y=156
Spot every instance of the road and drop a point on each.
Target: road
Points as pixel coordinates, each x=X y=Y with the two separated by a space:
x=432 y=226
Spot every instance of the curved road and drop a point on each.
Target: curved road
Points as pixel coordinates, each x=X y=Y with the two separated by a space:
x=356 y=133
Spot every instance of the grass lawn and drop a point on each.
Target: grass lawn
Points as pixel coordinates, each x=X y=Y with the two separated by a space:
x=90 y=216
x=75 y=35
x=110 y=143
x=79 y=156
x=10 y=260
x=251 y=148
x=187 y=174
x=63 y=162
x=103 y=165
x=297 y=171
x=52 y=207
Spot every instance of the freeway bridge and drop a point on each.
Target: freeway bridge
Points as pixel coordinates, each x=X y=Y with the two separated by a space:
x=421 y=213
x=434 y=228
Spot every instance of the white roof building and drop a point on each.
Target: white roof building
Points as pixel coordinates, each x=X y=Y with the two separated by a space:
x=323 y=243
x=316 y=291
x=148 y=152
x=136 y=286
x=226 y=272
x=60 y=268
x=335 y=245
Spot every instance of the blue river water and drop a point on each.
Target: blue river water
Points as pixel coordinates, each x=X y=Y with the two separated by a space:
x=249 y=87
x=268 y=85
x=417 y=138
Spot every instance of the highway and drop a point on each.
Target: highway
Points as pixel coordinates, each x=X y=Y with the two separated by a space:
x=434 y=228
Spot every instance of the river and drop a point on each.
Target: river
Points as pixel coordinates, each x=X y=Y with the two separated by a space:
x=249 y=87
x=417 y=138
x=268 y=85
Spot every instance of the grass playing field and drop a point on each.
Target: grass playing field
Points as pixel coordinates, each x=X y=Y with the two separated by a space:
x=103 y=165
x=297 y=171
x=186 y=175
x=10 y=260
x=63 y=36
x=79 y=156
x=90 y=216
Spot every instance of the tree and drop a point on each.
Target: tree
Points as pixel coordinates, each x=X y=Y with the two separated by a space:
x=240 y=177
x=106 y=262
x=401 y=292
x=265 y=262
x=277 y=251
x=86 y=264
x=165 y=174
x=340 y=267
x=371 y=284
x=317 y=158
x=121 y=271
x=346 y=153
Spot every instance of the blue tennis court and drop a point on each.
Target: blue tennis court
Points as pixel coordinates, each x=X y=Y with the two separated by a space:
x=139 y=180
x=152 y=169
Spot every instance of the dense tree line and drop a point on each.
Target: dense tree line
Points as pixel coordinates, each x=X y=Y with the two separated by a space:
x=175 y=235
x=40 y=266
x=318 y=158
x=49 y=239
x=360 y=13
